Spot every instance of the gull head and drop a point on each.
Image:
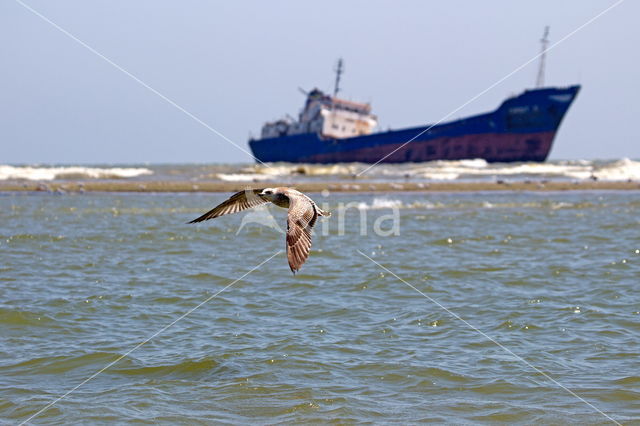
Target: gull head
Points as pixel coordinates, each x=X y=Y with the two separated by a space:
x=269 y=194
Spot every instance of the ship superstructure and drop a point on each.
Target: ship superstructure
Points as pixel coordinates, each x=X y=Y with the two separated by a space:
x=328 y=116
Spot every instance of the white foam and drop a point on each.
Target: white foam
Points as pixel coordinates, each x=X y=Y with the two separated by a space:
x=384 y=203
x=380 y=203
x=280 y=169
x=72 y=172
x=624 y=169
x=238 y=177
x=451 y=170
x=445 y=170
x=476 y=163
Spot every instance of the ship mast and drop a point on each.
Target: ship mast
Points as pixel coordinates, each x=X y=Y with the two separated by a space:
x=339 y=70
x=544 y=41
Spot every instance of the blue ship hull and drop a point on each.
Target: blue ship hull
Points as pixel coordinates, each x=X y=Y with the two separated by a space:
x=521 y=129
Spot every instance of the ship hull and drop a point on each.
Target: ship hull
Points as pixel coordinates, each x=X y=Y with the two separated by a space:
x=523 y=128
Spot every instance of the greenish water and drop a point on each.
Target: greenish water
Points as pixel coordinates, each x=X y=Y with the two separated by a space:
x=553 y=277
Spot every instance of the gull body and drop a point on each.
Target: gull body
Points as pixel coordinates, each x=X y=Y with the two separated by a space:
x=302 y=216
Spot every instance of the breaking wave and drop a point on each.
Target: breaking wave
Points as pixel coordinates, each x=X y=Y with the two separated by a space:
x=71 y=172
x=238 y=177
x=381 y=203
x=286 y=169
x=463 y=170
x=444 y=170
x=421 y=204
x=624 y=169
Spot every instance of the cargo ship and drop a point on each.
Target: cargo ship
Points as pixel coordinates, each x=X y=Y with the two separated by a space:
x=334 y=130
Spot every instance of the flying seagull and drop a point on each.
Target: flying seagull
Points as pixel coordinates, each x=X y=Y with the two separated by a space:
x=303 y=213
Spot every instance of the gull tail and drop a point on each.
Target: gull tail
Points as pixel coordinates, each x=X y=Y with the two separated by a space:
x=324 y=213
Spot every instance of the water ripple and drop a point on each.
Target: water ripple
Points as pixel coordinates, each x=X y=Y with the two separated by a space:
x=552 y=277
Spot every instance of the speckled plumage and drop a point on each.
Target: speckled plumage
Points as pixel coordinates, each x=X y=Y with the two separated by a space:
x=303 y=213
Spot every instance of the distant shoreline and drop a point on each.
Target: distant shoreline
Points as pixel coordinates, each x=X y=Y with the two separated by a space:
x=344 y=186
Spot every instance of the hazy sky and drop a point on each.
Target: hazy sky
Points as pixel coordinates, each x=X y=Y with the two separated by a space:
x=237 y=64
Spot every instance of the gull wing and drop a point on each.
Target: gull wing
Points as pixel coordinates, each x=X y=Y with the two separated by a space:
x=236 y=203
x=301 y=218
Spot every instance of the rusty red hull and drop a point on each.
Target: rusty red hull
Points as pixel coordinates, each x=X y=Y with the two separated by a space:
x=493 y=147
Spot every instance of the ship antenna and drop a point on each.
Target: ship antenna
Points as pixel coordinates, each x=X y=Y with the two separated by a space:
x=339 y=70
x=544 y=41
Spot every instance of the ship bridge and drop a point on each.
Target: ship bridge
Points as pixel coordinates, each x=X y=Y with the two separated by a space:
x=328 y=116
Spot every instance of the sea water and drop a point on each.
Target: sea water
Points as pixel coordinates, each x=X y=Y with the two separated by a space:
x=480 y=307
